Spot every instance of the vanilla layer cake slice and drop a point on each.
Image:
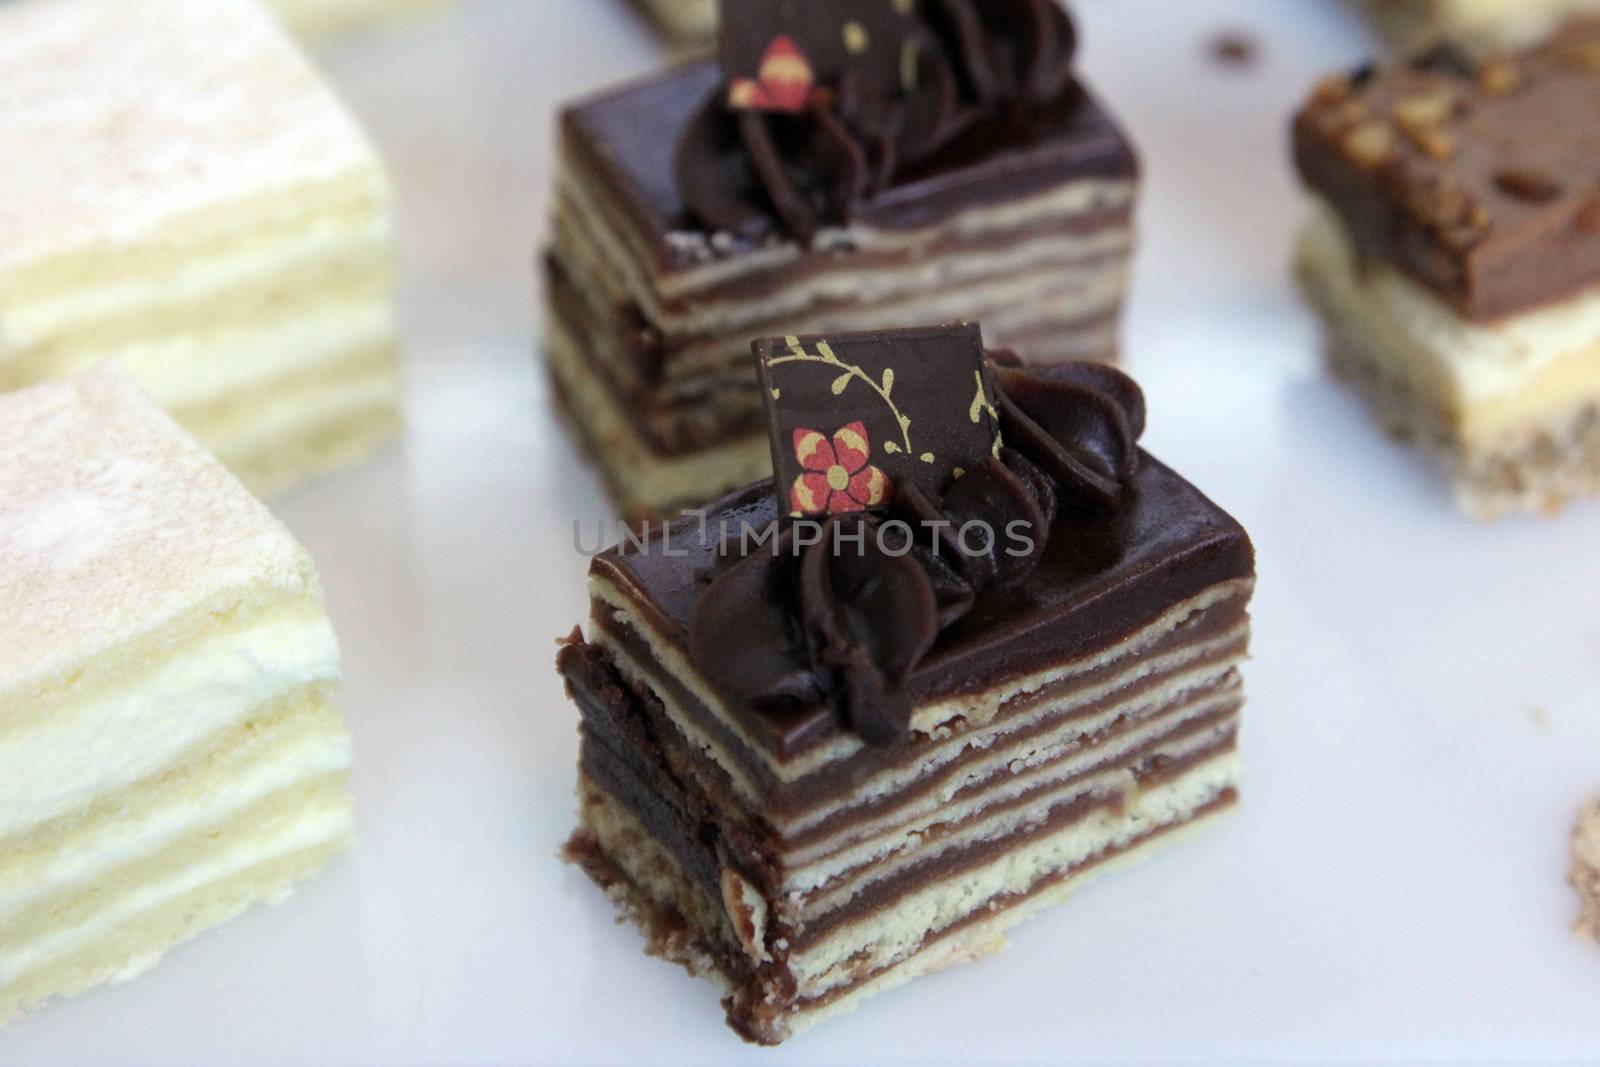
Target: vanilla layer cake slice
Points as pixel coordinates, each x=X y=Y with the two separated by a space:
x=316 y=19
x=686 y=225
x=184 y=195
x=169 y=750
x=1483 y=27
x=1455 y=259
x=814 y=766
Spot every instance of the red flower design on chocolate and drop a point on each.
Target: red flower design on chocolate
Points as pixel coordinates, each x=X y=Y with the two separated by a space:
x=836 y=475
x=785 y=81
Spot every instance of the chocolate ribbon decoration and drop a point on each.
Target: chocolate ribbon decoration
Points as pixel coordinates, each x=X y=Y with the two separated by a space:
x=792 y=625
x=751 y=173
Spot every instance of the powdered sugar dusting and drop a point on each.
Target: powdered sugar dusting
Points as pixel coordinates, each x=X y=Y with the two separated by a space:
x=113 y=521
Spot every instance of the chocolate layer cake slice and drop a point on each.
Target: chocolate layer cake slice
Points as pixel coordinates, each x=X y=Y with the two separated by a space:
x=1456 y=257
x=849 y=728
x=869 y=166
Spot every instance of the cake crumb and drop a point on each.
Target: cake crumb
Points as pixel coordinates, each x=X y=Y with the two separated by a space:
x=1540 y=717
x=1234 y=48
x=1585 y=873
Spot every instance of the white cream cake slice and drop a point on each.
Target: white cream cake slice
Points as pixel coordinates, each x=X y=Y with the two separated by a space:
x=315 y=20
x=186 y=196
x=169 y=750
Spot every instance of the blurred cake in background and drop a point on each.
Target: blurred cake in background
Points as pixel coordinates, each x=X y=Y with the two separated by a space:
x=1482 y=27
x=841 y=167
x=317 y=19
x=184 y=195
x=1455 y=260
x=686 y=20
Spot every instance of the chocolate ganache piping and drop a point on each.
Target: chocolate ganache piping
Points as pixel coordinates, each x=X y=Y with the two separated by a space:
x=844 y=610
x=753 y=173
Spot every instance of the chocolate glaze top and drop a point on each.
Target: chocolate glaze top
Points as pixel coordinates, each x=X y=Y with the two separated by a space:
x=1481 y=179
x=629 y=136
x=1118 y=550
x=754 y=173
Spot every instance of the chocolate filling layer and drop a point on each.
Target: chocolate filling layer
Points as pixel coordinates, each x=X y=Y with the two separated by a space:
x=689 y=810
x=843 y=778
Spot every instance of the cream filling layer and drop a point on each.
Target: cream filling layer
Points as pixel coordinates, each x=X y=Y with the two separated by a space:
x=118 y=841
x=53 y=768
x=191 y=371
x=252 y=267
x=263 y=418
x=1491 y=379
x=316 y=827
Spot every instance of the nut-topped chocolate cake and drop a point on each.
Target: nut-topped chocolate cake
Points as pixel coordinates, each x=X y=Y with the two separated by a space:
x=1455 y=257
x=853 y=166
x=970 y=647
x=1482 y=27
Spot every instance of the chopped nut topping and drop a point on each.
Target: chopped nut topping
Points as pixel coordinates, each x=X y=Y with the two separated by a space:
x=1371 y=143
x=1527 y=185
x=1426 y=109
x=1433 y=141
x=1422 y=117
x=1499 y=75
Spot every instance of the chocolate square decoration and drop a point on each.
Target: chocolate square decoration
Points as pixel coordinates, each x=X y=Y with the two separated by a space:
x=775 y=52
x=850 y=415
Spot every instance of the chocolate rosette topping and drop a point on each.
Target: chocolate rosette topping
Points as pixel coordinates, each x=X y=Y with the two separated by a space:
x=744 y=608
x=754 y=172
x=1010 y=50
x=1080 y=422
x=870 y=616
x=848 y=612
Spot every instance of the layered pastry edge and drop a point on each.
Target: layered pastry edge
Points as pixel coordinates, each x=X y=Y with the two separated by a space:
x=160 y=769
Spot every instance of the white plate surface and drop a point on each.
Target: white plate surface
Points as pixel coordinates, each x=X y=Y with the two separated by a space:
x=1424 y=711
